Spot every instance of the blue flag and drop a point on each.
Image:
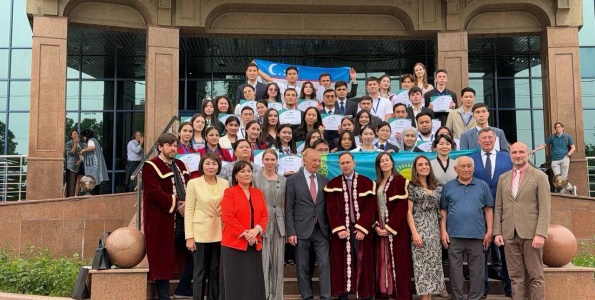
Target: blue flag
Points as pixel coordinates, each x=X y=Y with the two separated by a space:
x=277 y=71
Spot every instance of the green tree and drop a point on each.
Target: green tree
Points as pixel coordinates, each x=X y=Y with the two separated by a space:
x=85 y=124
x=12 y=145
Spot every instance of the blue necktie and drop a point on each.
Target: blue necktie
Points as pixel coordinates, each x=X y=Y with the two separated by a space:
x=488 y=166
x=342 y=107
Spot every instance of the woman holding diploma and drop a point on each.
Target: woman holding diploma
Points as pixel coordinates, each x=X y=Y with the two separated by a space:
x=198 y=126
x=284 y=142
x=366 y=136
x=232 y=125
x=245 y=216
x=346 y=141
x=308 y=91
x=385 y=87
x=270 y=124
x=212 y=140
x=383 y=132
x=311 y=119
x=393 y=245
x=273 y=241
x=421 y=78
x=410 y=140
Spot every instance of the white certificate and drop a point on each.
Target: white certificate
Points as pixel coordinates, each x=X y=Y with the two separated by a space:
x=249 y=103
x=398 y=125
x=223 y=117
x=402 y=96
x=436 y=124
x=441 y=103
x=191 y=160
x=258 y=157
x=275 y=105
x=290 y=116
x=458 y=142
x=425 y=146
x=299 y=146
x=289 y=163
x=331 y=122
x=304 y=104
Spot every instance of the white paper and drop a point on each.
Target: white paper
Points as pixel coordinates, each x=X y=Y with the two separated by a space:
x=258 y=157
x=436 y=124
x=402 y=96
x=425 y=146
x=289 y=163
x=398 y=125
x=299 y=146
x=191 y=160
x=276 y=106
x=331 y=122
x=441 y=103
x=290 y=116
x=304 y=104
x=223 y=117
x=249 y=103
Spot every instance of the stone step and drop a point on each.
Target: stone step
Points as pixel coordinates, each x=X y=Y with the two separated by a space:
x=490 y=297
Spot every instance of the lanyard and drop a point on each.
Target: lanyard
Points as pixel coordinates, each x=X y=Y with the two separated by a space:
x=463 y=119
x=216 y=151
x=243 y=133
x=423 y=138
x=185 y=149
x=377 y=104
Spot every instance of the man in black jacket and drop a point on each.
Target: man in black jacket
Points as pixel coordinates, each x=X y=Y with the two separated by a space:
x=441 y=90
x=416 y=108
x=251 y=75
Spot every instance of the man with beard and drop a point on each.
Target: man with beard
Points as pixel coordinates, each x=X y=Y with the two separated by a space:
x=351 y=208
x=424 y=126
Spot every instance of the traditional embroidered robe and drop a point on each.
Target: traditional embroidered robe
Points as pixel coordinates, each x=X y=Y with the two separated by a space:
x=159 y=209
x=350 y=274
x=393 y=254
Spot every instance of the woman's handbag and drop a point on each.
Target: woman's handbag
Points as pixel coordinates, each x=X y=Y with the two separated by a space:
x=101 y=261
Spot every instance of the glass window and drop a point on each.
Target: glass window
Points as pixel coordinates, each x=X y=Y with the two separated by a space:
x=120 y=184
x=21 y=64
x=226 y=88
x=72 y=123
x=481 y=67
x=73 y=67
x=3 y=63
x=588 y=90
x=538 y=131
x=585 y=35
x=97 y=95
x=535 y=67
x=513 y=93
x=3 y=97
x=537 y=90
x=589 y=123
x=516 y=125
x=126 y=125
x=587 y=55
x=72 y=95
x=484 y=91
x=98 y=67
x=18 y=124
x=21 y=28
x=20 y=92
x=4 y=25
x=102 y=125
x=11 y=142
x=131 y=67
x=508 y=66
x=196 y=92
x=131 y=95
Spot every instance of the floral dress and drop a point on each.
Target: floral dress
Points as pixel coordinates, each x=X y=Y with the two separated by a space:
x=427 y=261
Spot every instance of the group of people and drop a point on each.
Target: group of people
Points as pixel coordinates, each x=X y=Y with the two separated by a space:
x=84 y=157
x=230 y=220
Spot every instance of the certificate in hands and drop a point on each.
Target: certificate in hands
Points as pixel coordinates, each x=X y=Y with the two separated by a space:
x=398 y=125
x=249 y=103
x=402 y=96
x=275 y=105
x=436 y=124
x=290 y=116
x=223 y=117
x=192 y=160
x=441 y=103
x=331 y=122
x=304 y=104
x=425 y=146
x=289 y=163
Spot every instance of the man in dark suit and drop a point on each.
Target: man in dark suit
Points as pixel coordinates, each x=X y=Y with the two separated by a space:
x=365 y=103
x=330 y=107
x=344 y=105
x=416 y=108
x=441 y=90
x=481 y=115
x=489 y=165
x=251 y=75
x=307 y=224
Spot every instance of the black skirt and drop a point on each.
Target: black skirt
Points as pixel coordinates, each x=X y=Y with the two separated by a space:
x=241 y=275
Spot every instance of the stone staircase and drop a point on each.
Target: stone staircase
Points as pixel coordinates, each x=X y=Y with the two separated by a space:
x=291 y=291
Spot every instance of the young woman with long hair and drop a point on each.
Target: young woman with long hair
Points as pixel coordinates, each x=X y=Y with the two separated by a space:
x=252 y=136
x=223 y=105
x=270 y=124
x=198 y=124
x=232 y=126
x=210 y=114
x=311 y=119
x=308 y=91
x=346 y=141
x=421 y=78
x=272 y=93
x=284 y=141
x=185 y=133
x=212 y=145
x=366 y=136
x=385 y=87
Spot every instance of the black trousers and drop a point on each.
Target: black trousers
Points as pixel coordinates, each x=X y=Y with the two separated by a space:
x=186 y=278
x=206 y=265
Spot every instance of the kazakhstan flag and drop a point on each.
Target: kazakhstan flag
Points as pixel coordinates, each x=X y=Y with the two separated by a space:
x=364 y=162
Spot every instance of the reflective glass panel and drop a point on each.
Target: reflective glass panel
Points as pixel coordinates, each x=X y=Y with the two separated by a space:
x=98 y=67
x=537 y=91
x=196 y=92
x=131 y=67
x=131 y=95
x=126 y=125
x=226 y=88
x=481 y=67
x=588 y=90
x=4 y=23
x=589 y=123
x=21 y=64
x=102 y=125
x=73 y=67
x=20 y=92
x=3 y=63
x=585 y=35
x=18 y=125
x=3 y=96
x=535 y=67
x=513 y=93
x=512 y=66
x=516 y=125
x=587 y=56
x=11 y=141
x=484 y=91
x=21 y=28
x=72 y=95
x=97 y=95
x=72 y=123
x=539 y=157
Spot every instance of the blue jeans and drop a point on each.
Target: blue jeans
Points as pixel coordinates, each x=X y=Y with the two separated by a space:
x=498 y=257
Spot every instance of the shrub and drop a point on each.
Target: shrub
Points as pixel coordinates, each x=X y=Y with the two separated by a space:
x=37 y=272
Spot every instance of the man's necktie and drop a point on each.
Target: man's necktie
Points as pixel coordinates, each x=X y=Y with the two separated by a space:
x=381 y=146
x=515 y=183
x=342 y=107
x=313 y=188
x=330 y=112
x=488 y=166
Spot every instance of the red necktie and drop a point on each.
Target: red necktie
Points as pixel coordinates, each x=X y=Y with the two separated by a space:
x=313 y=188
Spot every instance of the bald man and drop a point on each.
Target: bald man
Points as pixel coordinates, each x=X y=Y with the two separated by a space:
x=466 y=206
x=521 y=220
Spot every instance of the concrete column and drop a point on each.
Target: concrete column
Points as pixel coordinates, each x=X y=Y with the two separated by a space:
x=48 y=108
x=452 y=55
x=562 y=100
x=162 y=80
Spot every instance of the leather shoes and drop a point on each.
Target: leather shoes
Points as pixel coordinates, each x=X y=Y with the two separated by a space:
x=508 y=294
x=485 y=295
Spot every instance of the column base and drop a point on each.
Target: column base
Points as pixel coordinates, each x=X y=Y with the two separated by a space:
x=578 y=175
x=44 y=178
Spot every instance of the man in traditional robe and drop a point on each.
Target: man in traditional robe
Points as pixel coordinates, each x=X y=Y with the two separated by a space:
x=164 y=192
x=351 y=207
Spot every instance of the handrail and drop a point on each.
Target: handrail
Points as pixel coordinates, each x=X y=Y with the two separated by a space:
x=13 y=177
x=154 y=147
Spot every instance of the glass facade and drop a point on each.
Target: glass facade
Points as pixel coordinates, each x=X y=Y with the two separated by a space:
x=586 y=40
x=15 y=77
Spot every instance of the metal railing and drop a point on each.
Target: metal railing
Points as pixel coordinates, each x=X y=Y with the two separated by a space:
x=136 y=176
x=591 y=174
x=13 y=177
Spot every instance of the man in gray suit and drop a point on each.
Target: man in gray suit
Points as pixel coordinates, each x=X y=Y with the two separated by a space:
x=481 y=116
x=307 y=224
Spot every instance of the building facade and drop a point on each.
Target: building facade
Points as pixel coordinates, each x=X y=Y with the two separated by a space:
x=121 y=66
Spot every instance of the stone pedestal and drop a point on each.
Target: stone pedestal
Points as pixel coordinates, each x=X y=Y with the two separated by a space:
x=48 y=108
x=452 y=55
x=569 y=282
x=117 y=284
x=162 y=80
x=562 y=99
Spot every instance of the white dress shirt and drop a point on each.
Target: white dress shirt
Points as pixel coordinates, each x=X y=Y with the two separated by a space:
x=307 y=174
x=381 y=107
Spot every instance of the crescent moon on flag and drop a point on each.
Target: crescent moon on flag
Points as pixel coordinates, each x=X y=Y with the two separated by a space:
x=271 y=69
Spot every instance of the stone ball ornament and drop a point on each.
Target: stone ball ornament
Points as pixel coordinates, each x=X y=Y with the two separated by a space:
x=125 y=247
x=560 y=246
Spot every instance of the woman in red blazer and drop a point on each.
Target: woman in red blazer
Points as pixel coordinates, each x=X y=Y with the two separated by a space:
x=244 y=215
x=212 y=145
